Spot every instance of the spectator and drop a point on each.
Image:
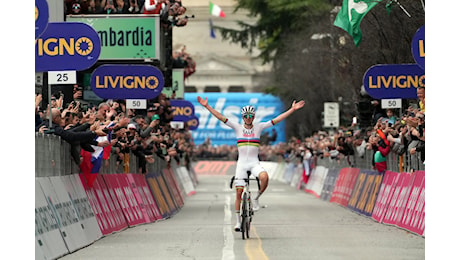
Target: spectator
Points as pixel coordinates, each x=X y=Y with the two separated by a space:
x=421 y=98
x=75 y=7
x=169 y=15
x=122 y=7
x=109 y=7
x=103 y=110
x=419 y=133
x=378 y=111
x=150 y=112
x=181 y=59
x=138 y=121
x=38 y=116
x=58 y=125
x=380 y=145
x=391 y=118
x=95 y=7
x=151 y=128
x=133 y=7
x=154 y=6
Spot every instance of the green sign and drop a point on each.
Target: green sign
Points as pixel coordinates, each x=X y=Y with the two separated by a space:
x=177 y=84
x=125 y=37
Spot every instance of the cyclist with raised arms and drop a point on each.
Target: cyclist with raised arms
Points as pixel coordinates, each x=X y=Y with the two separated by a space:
x=248 y=140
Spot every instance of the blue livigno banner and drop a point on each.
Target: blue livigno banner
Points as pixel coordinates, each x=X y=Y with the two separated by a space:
x=418 y=47
x=394 y=80
x=41 y=17
x=183 y=109
x=229 y=104
x=67 y=46
x=123 y=81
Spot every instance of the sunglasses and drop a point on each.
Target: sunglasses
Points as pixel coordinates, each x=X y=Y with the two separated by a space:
x=248 y=116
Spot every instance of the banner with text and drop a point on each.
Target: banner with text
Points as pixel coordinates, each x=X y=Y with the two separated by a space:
x=394 y=81
x=229 y=104
x=124 y=37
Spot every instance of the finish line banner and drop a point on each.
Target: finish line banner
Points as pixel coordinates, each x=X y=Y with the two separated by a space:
x=229 y=104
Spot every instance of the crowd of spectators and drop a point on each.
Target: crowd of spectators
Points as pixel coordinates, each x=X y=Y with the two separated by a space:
x=140 y=132
x=401 y=134
x=172 y=12
x=182 y=59
x=148 y=132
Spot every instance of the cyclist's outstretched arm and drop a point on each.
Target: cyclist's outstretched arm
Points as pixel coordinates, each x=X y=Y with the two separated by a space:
x=295 y=106
x=204 y=102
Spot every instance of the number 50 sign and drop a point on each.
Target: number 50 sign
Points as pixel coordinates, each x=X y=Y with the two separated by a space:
x=391 y=103
x=136 y=103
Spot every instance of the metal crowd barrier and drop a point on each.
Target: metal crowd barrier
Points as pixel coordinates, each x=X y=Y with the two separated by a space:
x=53 y=158
x=395 y=163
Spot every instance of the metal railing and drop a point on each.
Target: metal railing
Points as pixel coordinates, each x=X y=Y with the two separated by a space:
x=53 y=158
x=395 y=163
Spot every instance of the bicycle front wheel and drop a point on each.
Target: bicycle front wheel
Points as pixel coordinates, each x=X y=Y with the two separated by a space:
x=244 y=215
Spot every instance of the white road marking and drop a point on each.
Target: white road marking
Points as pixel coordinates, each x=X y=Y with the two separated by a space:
x=227 y=250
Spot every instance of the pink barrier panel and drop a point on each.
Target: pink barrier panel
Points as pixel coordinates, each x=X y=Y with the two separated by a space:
x=122 y=190
x=141 y=201
x=399 y=199
x=114 y=206
x=150 y=203
x=344 y=186
x=102 y=214
x=386 y=193
x=414 y=214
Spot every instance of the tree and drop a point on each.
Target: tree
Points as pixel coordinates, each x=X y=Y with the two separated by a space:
x=276 y=19
x=318 y=62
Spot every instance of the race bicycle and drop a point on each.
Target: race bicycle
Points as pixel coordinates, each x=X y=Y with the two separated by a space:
x=246 y=211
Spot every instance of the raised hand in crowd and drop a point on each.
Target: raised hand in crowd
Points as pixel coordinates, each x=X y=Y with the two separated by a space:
x=110 y=7
x=38 y=100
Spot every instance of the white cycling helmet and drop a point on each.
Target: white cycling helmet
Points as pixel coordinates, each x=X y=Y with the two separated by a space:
x=248 y=110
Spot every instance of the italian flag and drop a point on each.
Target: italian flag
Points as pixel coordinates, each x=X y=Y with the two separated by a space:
x=215 y=10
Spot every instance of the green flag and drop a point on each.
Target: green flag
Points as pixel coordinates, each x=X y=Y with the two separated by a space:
x=388 y=6
x=350 y=16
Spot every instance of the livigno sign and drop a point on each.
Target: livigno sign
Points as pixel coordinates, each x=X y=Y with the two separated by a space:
x=41 y=17
x=125 y=37
x=127 y=81
x=385 y=81
x=66 y=46
x=418 y=47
